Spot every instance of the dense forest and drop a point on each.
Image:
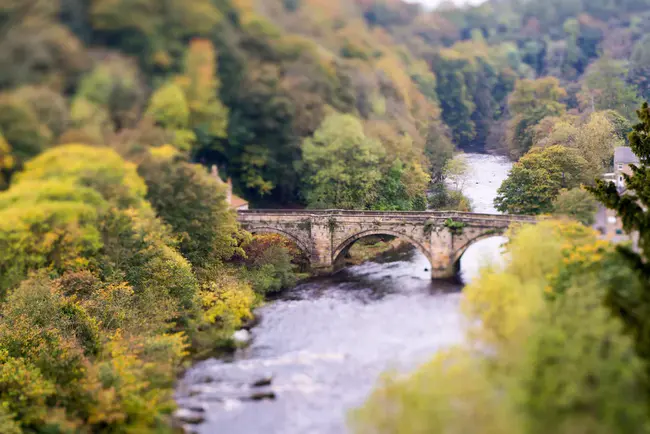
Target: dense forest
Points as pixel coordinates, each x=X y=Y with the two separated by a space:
x=279 y=92
x=120 y=258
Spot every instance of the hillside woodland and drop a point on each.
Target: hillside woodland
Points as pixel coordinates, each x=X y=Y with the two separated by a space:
x=119 y=256
x=279 y=92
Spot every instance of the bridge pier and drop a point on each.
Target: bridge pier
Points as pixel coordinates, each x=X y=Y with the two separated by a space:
x=448 y=272
x=320 y=232
x=441 y=245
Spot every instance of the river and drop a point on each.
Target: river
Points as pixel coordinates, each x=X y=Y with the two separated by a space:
x=325 y=343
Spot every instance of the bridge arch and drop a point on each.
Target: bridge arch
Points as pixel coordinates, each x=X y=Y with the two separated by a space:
x=270 y=230
x=345 y=245
x=494 y=233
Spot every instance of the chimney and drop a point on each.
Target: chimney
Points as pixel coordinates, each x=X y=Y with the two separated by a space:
x=229 y=191
x=215 y=172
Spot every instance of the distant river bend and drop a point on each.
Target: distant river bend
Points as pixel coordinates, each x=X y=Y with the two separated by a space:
x=325 y=343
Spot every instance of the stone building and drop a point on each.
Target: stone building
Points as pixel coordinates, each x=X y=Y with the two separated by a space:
x=235 y=202
x=607 y=222
x=623 y=158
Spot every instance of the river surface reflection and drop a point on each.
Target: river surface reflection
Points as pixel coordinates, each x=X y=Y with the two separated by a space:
x=325 y=343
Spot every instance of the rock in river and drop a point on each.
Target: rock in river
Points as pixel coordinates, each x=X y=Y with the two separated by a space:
x=188 y=416
x=263 y=381
x=242 y=336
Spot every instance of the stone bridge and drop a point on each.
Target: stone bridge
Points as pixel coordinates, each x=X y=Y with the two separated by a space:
x=325 y=236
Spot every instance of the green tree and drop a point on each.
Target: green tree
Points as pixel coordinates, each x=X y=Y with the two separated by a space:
x=115 y=86
x=439 y=150
x=50 y=107
x=604 y=88
x=341 y=165
x=456 y=99
x=526 y=191
x=577 y=204
x=35 y=49
x=392 y=191
x=272 y=271
x=532 y=101
x=200 y=84
x=456 y=172
x=21 y=129
x=155 y=31
x=640 y=67
x=536 y=180
x=194 y=205
x=169 y=108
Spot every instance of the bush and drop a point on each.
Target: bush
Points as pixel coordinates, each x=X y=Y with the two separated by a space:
x=273 y=271
x=272 y=262
x=53 y=235
x=227 y=301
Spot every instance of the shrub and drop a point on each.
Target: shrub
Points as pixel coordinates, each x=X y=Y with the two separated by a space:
x=227 y=301
x=273 y=271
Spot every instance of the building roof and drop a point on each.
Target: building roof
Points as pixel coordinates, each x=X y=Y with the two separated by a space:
x=624 y=155
x=236 y=201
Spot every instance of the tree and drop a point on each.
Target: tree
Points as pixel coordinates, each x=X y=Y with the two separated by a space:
x=6 y=162
x=49 y=107
x=392 y=191
x=36 y=50
x=640 y=67
x=439 y=150
x=201 y=86
x=456 y=100
x=595 y=137
x=604 y=88
x=596 y=141
x=155 y=31
x=556 y=353
x=532 y=101
x=115 y=86
x=21 y=129
x=526 y=191
x=340 y=162
x=577 y=204
x=472 y=83
x=261 y=147
x=538 y=177
x=169 y=108
x=456 y=172
x=194 y=205
x=630 y=207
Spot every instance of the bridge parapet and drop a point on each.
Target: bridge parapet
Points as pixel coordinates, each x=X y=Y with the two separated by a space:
x=326 y=235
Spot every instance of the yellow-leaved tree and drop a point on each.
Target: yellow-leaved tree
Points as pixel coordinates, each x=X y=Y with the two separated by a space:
x=543 y=353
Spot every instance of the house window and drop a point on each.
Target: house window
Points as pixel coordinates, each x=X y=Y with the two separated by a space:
x=620 y=167
x=620 y=179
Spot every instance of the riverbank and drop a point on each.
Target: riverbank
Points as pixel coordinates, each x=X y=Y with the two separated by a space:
x=375 y=248
x=324 y=343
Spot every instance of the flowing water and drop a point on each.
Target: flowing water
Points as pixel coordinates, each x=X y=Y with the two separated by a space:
x=323 y=346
